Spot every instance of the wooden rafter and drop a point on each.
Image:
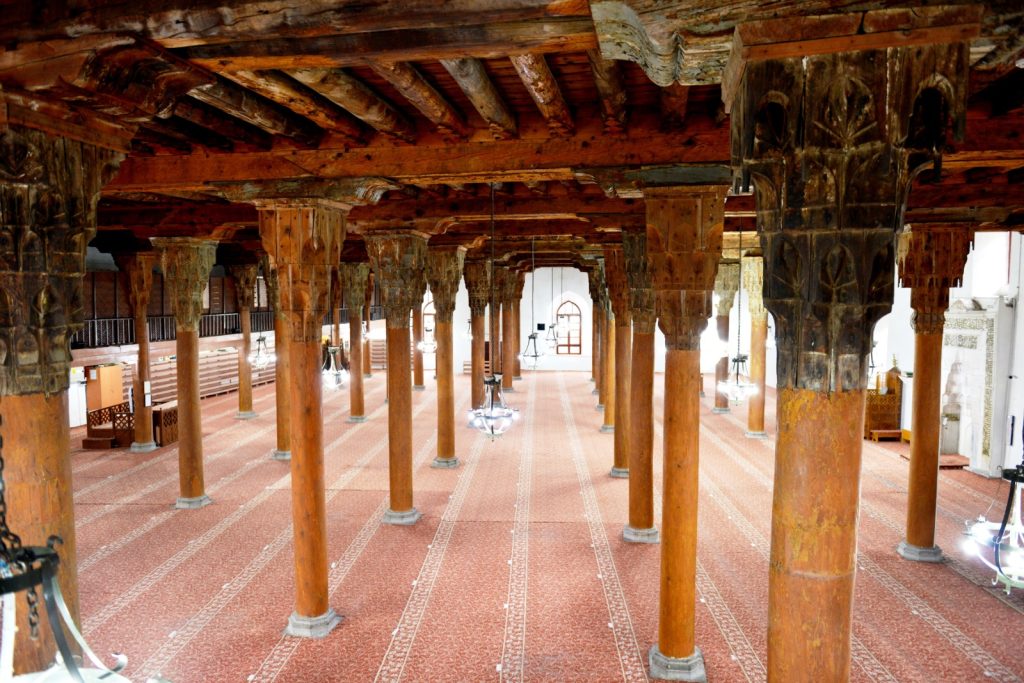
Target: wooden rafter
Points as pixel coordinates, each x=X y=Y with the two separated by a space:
x=472 y=78
x=241 y=103
x=543 y=88
x=411 y=84
x=356 y=97
x=608 y=79
x=227 y=126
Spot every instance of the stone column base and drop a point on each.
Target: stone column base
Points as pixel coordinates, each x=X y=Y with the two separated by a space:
x=756 y=435
x=516 y=378
x=599 y=407
x=192 y=503
x=419 y=387
x=247 y=415
x=405 y=518
x=142 y=447
x=917 y=554
x=445 y=463
x=633 y=535
x=607 y=429
x=677 y=669
x=720 y=411
x=367 y=375
x=356 y=418
x=280 y=455
x=312 y=627
x=619 y=472
x=702 y=393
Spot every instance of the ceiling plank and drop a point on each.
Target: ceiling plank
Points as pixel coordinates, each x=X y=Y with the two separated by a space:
x=237 y=101
x=608 y=79
x=227 y=126
x=476 y=84
x=543 y=88
x=413 y=87
x=357 y=98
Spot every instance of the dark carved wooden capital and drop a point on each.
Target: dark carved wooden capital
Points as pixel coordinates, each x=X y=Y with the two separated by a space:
x=354 y=280
x=597 y=284
x=49 y=188
x=245 y=284
x=930 y=262
x=186 y=262
x=477 y=275
x=139 y=269
x=638 y=275
x=727 y=283
x=832 y=143
x=399 y=261
x=684 y=246
x=444 y=269
x=753 y=286
x=303 y=243
x=618 y=287
x=505 y=285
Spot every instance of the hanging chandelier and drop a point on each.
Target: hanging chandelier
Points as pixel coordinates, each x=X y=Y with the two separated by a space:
x=1000 y=545
x=532 y=354
x=494 y=417
x=262 y=357
x=738 y=390
x=333 y=375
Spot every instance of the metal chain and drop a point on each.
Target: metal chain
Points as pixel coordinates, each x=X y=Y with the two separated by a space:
x=10 y=549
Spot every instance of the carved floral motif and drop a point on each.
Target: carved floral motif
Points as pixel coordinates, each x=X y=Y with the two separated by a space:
x=477 y=275
x=186 y=262
x=399 y=261
x=638 y=275
x=444 y=268
x=354 y=279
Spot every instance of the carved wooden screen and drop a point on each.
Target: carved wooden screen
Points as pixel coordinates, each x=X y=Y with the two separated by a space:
x=570 y=329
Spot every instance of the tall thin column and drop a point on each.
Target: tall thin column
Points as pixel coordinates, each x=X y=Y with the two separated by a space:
x=399 y=259
x=494 y=311
x=139 y=268
x=506 y=291
x=444 y=268
x=726 y=284
x=49 y=204
x=186 y=263
x=640 y=528
x=245 y=284
x=868 y=120
x=368 y=310
x=595 y=280
x=618 y=291
x=608 y=378
x=684 y=243
x=517 y=342
x=477 y=276
x=932 y=261
x=417 y=354
x=753 y=285
x=282 y=367
x=335 y=308
x=354 y=278
x=302 y=239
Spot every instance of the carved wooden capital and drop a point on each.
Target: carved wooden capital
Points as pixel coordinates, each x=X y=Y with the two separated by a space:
x=597 y=284
x=186 y=262
x=931 y=261
x=504 y=285
x=271 y=279
x=245 y=284
x=477 y=275
x=638 y=275
x=354 y=280
x=303 y=243
x=727 y=283
x=618 y=287
x=49 y=188
x=753 y=286
x=139 y=269
x=832 y=143
x=444 y=268
x=684 y=246
x=399 y=261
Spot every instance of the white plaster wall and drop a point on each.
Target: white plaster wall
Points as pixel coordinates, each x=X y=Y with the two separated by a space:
x=553 y=287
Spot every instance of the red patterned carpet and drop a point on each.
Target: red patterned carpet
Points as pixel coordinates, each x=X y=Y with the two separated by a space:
x=517 y=570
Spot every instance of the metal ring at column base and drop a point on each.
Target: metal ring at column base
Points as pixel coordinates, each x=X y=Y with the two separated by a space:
x=595 y=392
x=419 y=387
x=607 y=429
x=246 y=415
x=356 y=418
x=677 y=669
x=756 y=435
x=312 y=627
x=720 y=411
x=915 y=553
x=634 y=535
x=599 y=407
x=404 y=518
x=516 y=378
x=192 y=503
x=147 y=447
x=619 y=473
x=702 y=393
x=445 y=463
x=280 y=455
x=508 y=389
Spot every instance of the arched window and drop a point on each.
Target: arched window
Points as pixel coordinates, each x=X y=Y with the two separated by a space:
x=429 y=316
x=569 y=323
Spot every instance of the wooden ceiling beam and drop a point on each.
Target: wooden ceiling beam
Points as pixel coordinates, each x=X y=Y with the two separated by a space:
x=608 y=79
x=673 y=101
x=187 y=133
x=241 y=103
x=227 y=126
x=543 y=88
x=357 y=98
x=410 y=83
x=472 y=78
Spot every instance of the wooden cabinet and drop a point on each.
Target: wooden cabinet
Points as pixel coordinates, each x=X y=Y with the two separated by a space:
x=104 y=386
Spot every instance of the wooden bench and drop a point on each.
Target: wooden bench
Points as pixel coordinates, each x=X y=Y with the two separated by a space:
x=885 y=434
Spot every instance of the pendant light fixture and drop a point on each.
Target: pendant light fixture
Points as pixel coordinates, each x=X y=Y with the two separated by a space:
x=332 y=374
x=532 y=354
x=262 y=357
x=738 y=390
x=494 y=417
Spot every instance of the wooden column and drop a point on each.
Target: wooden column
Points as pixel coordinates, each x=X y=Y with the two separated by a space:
x=354 y=279
x=49 y=187
x=494 y=311
x=399 y=260
x=505 y=291
x=932 y=260
x=139 y=269
x=444 y=268
x=368 y=313
x=726 y=284
x=640 y=528
x=517 y=342
x=417 y=354
x=477 y=277
x=282 y=367
x=684 y=243
x=753 y=285
x=595 y=280
x=335 y=308
x=302 y=239
x=245 y=284
x=186 y=262
x=869 y=119
x=618 y=291
x=608 y=378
